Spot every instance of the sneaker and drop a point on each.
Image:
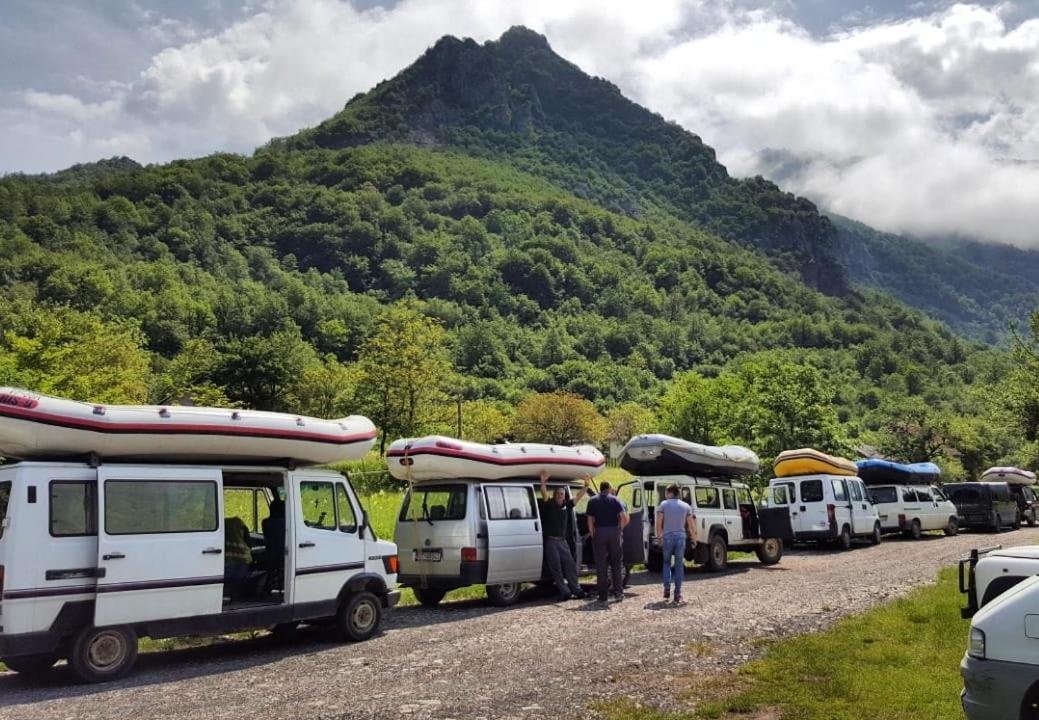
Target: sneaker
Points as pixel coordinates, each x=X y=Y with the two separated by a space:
x=667 y=593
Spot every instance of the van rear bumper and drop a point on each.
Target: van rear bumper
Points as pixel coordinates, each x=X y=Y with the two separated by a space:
x=994 y=689
x=470 y=573
x=808 y=535
x=37 y=643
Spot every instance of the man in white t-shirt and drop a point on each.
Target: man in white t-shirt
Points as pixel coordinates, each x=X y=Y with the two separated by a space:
x=674 y=517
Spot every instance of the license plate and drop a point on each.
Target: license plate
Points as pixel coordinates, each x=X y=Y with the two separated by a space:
x=429 y=555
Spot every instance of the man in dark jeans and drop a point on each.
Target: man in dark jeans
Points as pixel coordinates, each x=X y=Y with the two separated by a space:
x=556 y=511
x=606 y=521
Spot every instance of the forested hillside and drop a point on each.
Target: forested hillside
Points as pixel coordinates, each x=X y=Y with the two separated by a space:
x=490 y=226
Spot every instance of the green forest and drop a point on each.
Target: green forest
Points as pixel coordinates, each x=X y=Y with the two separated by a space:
x=501 y=258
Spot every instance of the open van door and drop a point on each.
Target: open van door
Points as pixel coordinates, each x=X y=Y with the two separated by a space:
x=633 y=539
x=160 y=543
x=774 y=522
x=515 y=547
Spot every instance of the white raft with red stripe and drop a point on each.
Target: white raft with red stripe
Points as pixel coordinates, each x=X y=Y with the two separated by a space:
x=443 y=458
x=40 y=426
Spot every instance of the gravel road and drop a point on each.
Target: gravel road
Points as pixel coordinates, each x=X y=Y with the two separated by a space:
x=534 y=660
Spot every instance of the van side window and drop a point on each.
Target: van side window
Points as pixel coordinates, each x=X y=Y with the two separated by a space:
x=686 y=497
x=839 y=493
x=908 y=495
x=939 y=495
x=856 y=490
x=318 y=505
x=510 y=503
x=344 y=510
x=73 y=508
x=707 y=497
x=5 y=496
x=779 y=495
x=923 y=496
x=637 y=498
x=743 y=495
x=811 y=491
x=143 y=507
x=729 y=497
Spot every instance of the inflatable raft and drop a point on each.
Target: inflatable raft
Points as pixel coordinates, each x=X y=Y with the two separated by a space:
x=1010 y=475
x=884 y=471
x=656 y=455
x=39 y=426
x=444 y=458
x=807 y=461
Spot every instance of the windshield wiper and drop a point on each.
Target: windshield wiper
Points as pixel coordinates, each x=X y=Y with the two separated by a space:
x=425 y=512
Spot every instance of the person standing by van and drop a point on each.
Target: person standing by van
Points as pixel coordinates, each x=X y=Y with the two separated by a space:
x=606 y=519
x=556 y=511
x=674 y=519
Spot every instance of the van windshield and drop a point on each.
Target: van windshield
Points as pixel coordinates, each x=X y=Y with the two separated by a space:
x=5 y=495
x=883 y=495
x=435 y=502
x=965 y=495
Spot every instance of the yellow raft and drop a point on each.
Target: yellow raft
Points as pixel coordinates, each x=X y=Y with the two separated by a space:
x=807 y=461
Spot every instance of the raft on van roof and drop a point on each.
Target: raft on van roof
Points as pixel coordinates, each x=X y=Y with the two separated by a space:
x=655 y=455
x=1010 y=475
x=808 y=461
x=443 y=458
x=876 y=471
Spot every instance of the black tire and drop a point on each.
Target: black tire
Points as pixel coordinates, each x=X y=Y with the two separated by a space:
x=655 y=562
x=504 y=595
x=1031 y=518
x=875 y=538
x=844 y=539
x=31 y=664
x=915 y=531
x=770 y=551
x=953 y=528
x=285 y=632
x=359 y=616
x=429 y=597
x=103 y=654
x=717 y=553
x=1017 y=522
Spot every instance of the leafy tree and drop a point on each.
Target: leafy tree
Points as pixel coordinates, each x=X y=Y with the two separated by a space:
x=912 y=431
x=627 y=420
x=404 y=373
x=486 y=421
x=327 y=389
x=558 y=418
x=700 y=409
x=261 y=371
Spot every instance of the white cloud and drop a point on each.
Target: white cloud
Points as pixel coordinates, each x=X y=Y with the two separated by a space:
x=925 y=125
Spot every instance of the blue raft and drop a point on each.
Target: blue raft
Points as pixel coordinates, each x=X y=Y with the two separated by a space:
x=884 y=471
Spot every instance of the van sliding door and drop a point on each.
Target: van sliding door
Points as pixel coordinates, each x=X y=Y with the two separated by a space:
x=514 y=543
x=160 y=543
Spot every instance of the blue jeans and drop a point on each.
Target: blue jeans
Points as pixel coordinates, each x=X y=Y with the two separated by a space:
x=674 y=545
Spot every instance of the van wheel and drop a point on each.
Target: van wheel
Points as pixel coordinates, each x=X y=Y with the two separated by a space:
x=655 y=562
x=359 y=616
x=875 y=537
x=1017 y=522
x=428 y=597
x=103 y=654
x=1031 y=518
x=770 y=551
x=717 y=553
x=953 y=528
x=915 y=531
x=503 y=595
x=31 y=664
x=844 y=539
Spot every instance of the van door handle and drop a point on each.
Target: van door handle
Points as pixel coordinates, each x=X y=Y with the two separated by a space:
x=536 y=528
x=212 y=551
x=113 y=556
x=306 y=544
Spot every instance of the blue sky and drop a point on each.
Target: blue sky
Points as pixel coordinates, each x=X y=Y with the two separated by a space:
x=917 y=117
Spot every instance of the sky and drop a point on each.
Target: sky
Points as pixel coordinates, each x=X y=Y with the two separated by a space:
x=918 y=118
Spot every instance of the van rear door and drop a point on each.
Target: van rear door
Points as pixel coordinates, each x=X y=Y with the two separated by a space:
x=160 y=543
x=635 y=540
x=514 y=543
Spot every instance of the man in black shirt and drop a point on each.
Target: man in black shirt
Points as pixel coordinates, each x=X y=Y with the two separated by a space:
x=607 y=518
x=556 y=511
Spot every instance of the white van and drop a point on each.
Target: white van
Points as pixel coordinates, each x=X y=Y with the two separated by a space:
x=94 y=557
x=912 y=509
x=461 y=532
x=987 y=573
x=726 y=520
x=1000 y=669
x=826 y=508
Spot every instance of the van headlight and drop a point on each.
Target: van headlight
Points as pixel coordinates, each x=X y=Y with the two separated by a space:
x=976 y=646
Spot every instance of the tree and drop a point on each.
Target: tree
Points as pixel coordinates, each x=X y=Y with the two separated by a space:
x=261 y=371
x=912 y=431
x=327 y=389
x=627 y=420
x=558 y=418
x=486 y=421
x=703 y=410
x=405 y=373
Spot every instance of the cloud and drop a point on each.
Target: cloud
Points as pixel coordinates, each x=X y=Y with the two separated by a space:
x=922 y=124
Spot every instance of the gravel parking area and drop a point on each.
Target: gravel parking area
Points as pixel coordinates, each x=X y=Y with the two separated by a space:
x=535 y=660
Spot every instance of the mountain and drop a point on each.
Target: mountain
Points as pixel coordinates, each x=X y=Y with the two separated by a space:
x=515 y=100
x=978 y=289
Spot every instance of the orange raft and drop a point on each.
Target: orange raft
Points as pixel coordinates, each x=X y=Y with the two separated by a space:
x=806 y=461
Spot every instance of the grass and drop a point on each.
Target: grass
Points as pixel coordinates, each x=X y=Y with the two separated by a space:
x=897 y=662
